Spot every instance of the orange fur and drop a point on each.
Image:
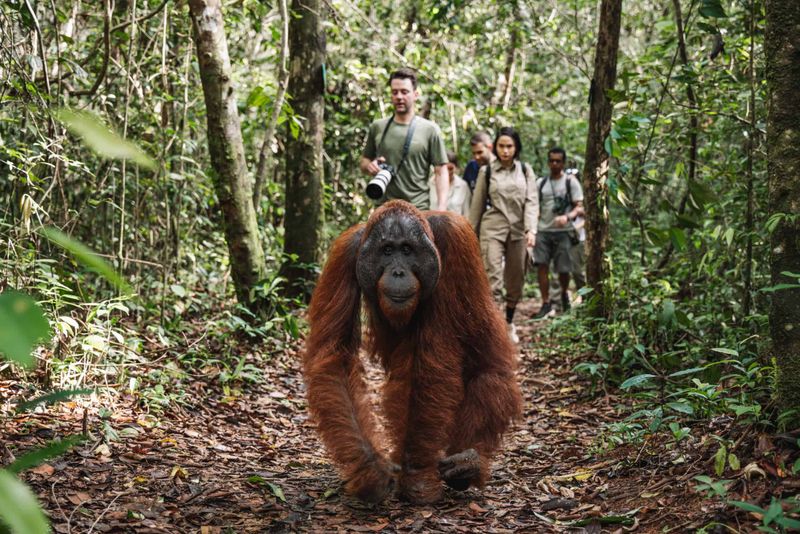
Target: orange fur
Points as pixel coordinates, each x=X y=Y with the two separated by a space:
x=450 y=371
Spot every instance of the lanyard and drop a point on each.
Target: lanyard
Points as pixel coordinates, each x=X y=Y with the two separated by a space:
x=406 y=145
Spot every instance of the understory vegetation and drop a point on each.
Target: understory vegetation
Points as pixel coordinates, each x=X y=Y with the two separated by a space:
x=113 y=237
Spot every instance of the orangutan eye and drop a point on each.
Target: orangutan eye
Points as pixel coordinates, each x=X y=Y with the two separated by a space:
x=387 y=250
x=406 y=250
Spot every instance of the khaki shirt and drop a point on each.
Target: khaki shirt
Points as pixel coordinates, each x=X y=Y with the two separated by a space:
x=515 y=202
x=458 y=197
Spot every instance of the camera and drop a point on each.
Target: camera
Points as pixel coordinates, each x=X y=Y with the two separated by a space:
x=561 y=205
x=376 y=187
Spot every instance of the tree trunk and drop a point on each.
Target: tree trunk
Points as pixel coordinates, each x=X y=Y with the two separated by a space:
x=502 y=95
x=783 y=166
x=231 y=180
x=596 y=170
x=265 y=155
x=304 y=170
x=751 y=181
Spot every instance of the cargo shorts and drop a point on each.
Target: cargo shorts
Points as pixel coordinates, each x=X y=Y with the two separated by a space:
x=555 y=247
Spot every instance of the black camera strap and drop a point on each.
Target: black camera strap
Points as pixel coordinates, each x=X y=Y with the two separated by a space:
x=553 y=192
x=406 y=145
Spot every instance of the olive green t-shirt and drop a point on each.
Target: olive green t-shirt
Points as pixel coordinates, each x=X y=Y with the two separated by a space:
x=427 y=149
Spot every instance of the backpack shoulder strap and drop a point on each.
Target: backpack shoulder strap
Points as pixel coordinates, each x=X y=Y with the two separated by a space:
x=569 y=191
x=541 y=187
x=487 y=201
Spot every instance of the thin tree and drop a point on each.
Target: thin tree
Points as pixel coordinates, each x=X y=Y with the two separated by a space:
x=232 y=182
x=596 y=169
x=264 y=157
x=783 y=168
x=304 y=170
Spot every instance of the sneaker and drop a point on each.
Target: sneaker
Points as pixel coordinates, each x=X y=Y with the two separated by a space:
x=512 y=333
x=565 y=304
x=545 y=311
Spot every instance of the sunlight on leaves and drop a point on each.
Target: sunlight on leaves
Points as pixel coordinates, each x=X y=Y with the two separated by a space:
x=87 y=257
x=101 y=139
x=636 y=381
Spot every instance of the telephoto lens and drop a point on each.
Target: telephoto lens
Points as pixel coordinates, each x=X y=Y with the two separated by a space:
x=376 y=187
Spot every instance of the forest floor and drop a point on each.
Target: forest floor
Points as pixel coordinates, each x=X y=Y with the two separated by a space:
x=246 y=459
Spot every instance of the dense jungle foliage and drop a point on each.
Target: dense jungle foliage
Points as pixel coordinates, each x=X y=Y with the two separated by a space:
x=687 y=334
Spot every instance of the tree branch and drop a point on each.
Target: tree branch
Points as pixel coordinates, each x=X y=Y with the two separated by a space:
x=107 y=45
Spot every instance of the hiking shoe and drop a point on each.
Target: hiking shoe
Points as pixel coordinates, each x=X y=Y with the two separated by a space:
x=545 y=311
x=565 y=304
x=512 y=333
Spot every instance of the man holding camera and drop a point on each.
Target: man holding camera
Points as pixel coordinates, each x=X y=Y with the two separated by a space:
x=560 y=202
x=401 y=149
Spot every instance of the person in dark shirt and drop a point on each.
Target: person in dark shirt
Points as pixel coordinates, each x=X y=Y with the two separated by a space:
x=481 y=147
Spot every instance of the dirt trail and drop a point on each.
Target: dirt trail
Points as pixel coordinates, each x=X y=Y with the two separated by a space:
x=248 y=461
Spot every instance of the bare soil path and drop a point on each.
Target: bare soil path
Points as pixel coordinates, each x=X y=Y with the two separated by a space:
x=245 y=459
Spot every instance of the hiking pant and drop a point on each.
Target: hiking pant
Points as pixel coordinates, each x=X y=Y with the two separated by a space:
x=504 y=261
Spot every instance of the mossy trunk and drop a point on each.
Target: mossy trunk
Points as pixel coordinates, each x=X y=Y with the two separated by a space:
x=595 y=173
x=231 y=180
x=782 y=43
x=304 y=169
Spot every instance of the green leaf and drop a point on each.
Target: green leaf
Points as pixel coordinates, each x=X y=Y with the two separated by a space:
x=87 y=257
x=733 y=461
x=719 y=460
x=22 y=326
x=779 y=287
x=667 y=314
x=19 y=508
x=775 y=509
x=178 y=289
x=747 y=507
x=50 y=398
x=636 y=380
x=101 y=139
x=712 y=9
x=277 y=491
x=788 y=522
x=796 y=467
x=678 y=237
x=291 y=325
x=685 y=372
x=37 y=456
x=257 y=97
x=728 y=236
x=681 y=407
x=723 y=350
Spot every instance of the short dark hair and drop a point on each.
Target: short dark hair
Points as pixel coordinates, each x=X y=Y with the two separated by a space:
x=512 y=133
x=452 y=157
x=480 y=137
x=405 y=73
x=558 y=150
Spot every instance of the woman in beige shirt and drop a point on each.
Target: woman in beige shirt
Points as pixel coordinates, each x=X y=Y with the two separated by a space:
x=505 y=211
